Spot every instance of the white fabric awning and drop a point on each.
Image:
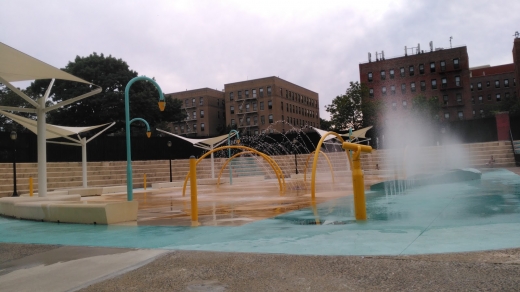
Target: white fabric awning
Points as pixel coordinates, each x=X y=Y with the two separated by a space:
x=207 y=143
x=358 y=134
x=52 y=131
x=17 y=66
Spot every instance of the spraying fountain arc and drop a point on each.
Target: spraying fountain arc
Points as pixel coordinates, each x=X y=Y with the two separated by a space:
x=307 y=163
x=267 y=158
x=276 y=167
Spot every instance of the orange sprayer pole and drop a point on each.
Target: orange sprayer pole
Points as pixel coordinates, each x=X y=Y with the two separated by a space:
x=358 y=178
x=193 y=188
x=144 y=178
x=31 y=190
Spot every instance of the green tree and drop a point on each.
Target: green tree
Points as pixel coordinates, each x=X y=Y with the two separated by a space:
x=11 y=99
x=108 y=106
x=345 y=110
x=325 y=125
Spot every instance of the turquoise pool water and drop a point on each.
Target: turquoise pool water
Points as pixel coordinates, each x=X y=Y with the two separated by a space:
x=456 y=217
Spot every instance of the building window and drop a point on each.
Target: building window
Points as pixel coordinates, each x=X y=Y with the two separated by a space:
x=269 y=91
x=489 y=97
x=506 y=82
x=254 y=107
x=383 y=75
x=498 y=97
x=254 y=93
x=182 y=129
x=194 y=115
x=246 y=93
x=423 y=85
x=488 y=83
x=447 y=116
x=248 y=121
x=411 y=70
x=186 y=102
x=255 y=120
x=457 y=81
x=193 y=102
x=270 y=119
x=261 y=105
x=176 y=129
x=195 y=128
x=432 y=67
x=471 y=86
x=247 y=107
x=256 y=132
x=241 y=122
x=231 y=96
x=404 y=103
x=443 y=66
x=392 y=89
x=481 y=113
x=459 y=98
x=434 y=83
x=394 y=105
x=403 y=88
x=370 y=78
x=474 y=113
x=461 y=115
x=445 y=99
x=202 y=127
x=412 y=86
x=479 y=86
x=444 y=82
x=456 y=64
x=240 y=108
x=421 y=68
x=506 y=95
x=371 y=92
x=472 y=100
x=401 y=71
x=480 y=99
x=201 y=100
x=232 y=109
x=262 y=120
x=392 y=73
x=239 y=94
x=383 y=90
x=270 y=104
x=201 y=113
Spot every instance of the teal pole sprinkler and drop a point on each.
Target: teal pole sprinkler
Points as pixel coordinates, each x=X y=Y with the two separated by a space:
x=162 y=104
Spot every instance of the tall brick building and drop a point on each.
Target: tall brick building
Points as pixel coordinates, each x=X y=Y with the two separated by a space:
x=441 y=73
x=270 y=104
x=205 y=110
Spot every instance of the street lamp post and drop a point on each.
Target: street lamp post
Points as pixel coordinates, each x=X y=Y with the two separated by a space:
x=170 y=157
x=295 y=142
x=14 y=135
x=129 y=179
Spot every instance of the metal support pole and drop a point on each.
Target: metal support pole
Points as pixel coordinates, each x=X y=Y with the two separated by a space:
x=193 y=188
x=171 y=168
x=15 y=193
x=84 y=160
x=296 y=162
x=212 y=163
x=42 y=150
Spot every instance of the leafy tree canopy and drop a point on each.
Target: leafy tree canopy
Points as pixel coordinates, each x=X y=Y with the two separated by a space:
x=325 y=125
x=345 y=110
x=112 y=75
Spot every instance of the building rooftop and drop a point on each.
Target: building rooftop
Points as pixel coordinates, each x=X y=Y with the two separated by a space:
x=492 y=70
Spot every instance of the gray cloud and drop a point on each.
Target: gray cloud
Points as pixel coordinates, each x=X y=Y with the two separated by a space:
x=193 y=44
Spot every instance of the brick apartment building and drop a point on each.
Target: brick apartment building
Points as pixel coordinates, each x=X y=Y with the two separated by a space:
x=270 y=104
x=440 y=73
x=205 y=110
x=443 y=73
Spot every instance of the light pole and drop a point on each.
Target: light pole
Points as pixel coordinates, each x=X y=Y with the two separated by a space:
x=162 y=104
x=14 y=135
x=295 y=142
x=170 y=157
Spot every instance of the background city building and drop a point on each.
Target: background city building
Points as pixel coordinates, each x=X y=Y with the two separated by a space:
x=443 y=73
x=205 y=112
x=270 y=105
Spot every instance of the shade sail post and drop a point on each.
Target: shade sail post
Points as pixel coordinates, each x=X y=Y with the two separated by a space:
x=84 y=160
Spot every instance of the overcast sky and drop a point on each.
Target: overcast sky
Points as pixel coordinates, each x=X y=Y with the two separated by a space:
x=315 y=44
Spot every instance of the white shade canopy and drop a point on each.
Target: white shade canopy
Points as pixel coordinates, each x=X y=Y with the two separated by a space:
x=52 y=131
x=207 y=144
x=18 y=66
